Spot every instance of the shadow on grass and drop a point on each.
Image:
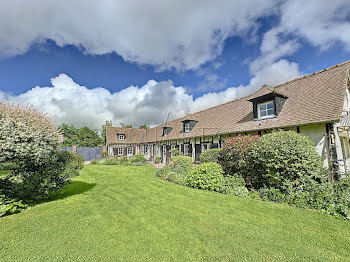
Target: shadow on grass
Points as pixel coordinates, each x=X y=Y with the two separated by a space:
x=75 y=188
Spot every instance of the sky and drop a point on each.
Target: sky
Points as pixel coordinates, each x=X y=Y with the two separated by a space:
x=145 y=62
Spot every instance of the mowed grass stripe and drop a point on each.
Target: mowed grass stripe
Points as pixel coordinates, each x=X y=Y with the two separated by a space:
x=115 y=213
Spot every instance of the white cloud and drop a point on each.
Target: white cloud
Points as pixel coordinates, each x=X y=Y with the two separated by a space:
x=68 y=102
x=168 y=34
x=322 y=23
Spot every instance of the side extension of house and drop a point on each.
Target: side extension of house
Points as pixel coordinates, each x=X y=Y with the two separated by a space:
x=316 y=105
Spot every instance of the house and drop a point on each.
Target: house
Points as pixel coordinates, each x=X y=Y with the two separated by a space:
x=315 y=105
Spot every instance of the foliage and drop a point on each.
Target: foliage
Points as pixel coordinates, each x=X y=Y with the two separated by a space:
x=104 y=154
x=184 y=162
x=234 y=185
x=331 y=197
x=126 y=125
x=26 y=136
x=175 y=174
x=80 y=137
x=211 y=155
x=175 y=152
x=103 y=132
x=283 y=156
x=137 y=160
x=10 y=206
x=157 y=160
x=208 y=176
x=7 y=166
x=144 y=127
x=29 y=140
x=235 y=155
x=36 y=183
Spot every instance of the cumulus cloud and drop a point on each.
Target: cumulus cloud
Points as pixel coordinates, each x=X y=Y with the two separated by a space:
x=68 y=102
x=168 y=34
x=321 y=23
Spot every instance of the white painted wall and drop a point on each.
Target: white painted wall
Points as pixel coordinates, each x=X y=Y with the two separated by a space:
x=317 y=134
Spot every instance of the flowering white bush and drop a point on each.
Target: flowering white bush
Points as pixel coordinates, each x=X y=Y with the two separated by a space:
x=26 y=135
x=30 y=141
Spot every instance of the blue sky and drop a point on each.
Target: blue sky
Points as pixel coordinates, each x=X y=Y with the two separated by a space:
x=185 y=57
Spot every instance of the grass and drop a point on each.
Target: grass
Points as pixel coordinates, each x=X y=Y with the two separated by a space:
x=117 y=213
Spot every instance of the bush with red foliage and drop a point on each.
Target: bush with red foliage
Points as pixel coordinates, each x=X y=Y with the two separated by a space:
x=234 y=157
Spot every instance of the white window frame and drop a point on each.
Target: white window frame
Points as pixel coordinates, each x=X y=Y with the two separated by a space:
x=121 y=137
x=187 y=127
x=120 y=151
x=266 y=116
x=186 y=149
x=172 y=147
x=130 y=148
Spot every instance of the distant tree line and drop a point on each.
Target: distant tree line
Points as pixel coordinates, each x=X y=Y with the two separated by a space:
x=80 y=136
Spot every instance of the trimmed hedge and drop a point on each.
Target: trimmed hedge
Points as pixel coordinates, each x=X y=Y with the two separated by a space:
x=211 y=155
x=283 y=156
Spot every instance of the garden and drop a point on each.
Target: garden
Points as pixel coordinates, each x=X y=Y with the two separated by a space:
x=256 y=199
x=282 y=167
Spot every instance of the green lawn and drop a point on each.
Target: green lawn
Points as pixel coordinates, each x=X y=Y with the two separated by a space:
x=114 y=213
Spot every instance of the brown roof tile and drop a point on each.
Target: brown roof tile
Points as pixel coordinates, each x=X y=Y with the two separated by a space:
x=313 y=98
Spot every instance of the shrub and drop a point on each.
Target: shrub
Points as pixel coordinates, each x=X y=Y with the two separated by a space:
x=27 y=136
x=31 y=141
x=157 y=160
x=210 y=155
x=208 y=176
x=36 y=185
x=104 y=154
x=175 y=152
x=10 y=206
x=235 y=155
x=283 y=156
x=173 y=174
x=138 y=160
x=183 y=161
x=234 y=185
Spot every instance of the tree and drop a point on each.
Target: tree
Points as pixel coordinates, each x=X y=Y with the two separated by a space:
x=103 y=133
x=125 y=126
x=80 y=137
x=144 y=127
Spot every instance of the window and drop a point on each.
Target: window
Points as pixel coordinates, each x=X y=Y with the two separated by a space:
x=121 y=137
x=205 y=147
x=266 y=110
x=120 y=151
x=186 y=149
x=172 y=148
x=146 y=149
x=130 y=151
x=187 y=127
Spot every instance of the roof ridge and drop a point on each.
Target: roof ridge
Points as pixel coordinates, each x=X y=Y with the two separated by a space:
x=312 y=74
x=249 y=95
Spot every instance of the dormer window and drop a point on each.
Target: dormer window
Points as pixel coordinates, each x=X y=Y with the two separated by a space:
x=121 y=137
x=266 y=110
x=267 y=102
x=187 y=127
x=166 y=130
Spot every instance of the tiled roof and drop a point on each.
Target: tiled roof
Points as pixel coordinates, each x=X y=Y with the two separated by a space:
x=314 y=98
